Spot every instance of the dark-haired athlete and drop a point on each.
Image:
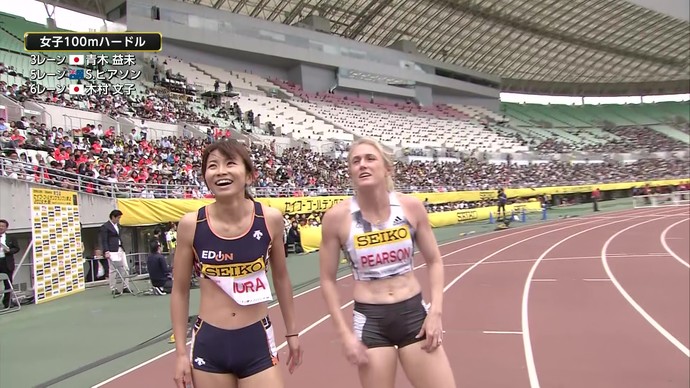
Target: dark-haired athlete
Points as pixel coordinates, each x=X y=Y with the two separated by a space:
x=377 y=230
x=230 y=243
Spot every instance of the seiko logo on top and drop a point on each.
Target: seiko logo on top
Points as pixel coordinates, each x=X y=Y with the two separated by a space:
x=236 y=270
x=382 y=237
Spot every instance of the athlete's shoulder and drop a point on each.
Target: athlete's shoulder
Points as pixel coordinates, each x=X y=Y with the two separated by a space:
x=186 y=228
x=273 y=216
x=271 y=213
x=334 y=217
x=189 y=219
x=409 y=201
x=338 y=211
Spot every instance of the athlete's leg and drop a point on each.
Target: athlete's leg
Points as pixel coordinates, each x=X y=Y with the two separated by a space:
x=426 y=370
x=379 y=372
x=268 y=378
x=203 y=379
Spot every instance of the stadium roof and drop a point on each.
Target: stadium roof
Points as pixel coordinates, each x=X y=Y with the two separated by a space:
x=593 y=47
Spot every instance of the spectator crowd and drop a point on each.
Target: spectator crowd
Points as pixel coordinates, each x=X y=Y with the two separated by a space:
x=99 y=161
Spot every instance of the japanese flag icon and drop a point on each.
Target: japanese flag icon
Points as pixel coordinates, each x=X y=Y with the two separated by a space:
x=75 y=60
x=76 y=89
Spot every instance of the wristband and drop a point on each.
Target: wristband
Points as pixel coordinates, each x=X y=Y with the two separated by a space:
x=291 y=335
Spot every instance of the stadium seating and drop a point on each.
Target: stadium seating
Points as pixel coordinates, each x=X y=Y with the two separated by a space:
x=316 y=119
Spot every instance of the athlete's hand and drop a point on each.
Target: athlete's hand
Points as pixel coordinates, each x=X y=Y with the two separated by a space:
x=354 y=350
x=433 y=330
x=295 y=357
x=183 y=372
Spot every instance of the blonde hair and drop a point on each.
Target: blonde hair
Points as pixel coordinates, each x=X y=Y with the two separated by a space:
x=387 y=158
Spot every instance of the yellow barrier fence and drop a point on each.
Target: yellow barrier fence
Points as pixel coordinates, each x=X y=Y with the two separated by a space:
x=139 y=211
x=311 y=235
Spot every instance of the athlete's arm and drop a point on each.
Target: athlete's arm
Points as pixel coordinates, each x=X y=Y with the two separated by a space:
x=329 y=254
x=182 y=277
x=426 y=242
x=279 y=270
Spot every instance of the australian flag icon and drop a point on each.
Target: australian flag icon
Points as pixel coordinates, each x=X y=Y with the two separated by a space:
x=76 y=74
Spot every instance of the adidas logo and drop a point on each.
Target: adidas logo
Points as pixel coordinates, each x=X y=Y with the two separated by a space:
x=398 y=220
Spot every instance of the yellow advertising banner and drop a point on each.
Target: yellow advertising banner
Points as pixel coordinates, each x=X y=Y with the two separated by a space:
x=139 y=212
x=311 y=235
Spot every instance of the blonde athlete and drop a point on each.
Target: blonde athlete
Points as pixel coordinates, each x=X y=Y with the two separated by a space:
x=377 y=230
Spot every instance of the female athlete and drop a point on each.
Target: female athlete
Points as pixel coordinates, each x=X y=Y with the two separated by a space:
x=229 y=243
x=377 y=230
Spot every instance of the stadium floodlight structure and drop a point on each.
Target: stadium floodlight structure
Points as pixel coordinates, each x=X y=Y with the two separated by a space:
x=558 y=47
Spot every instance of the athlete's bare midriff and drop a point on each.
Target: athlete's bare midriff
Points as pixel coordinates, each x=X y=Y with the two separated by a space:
x=387 y=291
x=219 y=309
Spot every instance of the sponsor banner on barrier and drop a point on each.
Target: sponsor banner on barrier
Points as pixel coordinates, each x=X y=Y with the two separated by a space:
x=311 y=235
x=58 y=262
x=140 y=212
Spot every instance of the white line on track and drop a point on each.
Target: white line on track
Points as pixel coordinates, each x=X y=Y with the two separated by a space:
x=501 y=235
x=635 y=305
x=668 y=249
x=617 y=255
x=327 y=316
x=526 y=340
x=501 y=332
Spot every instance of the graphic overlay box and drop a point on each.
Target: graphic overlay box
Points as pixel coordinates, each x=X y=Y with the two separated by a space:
x=66 y=41
x=58 y=264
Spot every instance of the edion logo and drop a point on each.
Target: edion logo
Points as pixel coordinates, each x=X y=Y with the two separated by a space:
x=217 y=255
x=467 y=215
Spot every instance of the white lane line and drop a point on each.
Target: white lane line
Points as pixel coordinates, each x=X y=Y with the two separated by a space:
x=322 y=319
x=668 y=249
x=617 y=255
x=526 y=340
x=501 y=234
x=635 y=305
x=502 y=332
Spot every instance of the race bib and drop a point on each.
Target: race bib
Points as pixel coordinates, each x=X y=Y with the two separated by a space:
x=246 y=290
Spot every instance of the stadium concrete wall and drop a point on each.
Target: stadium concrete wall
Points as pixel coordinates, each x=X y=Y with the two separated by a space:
x=16 y=205
x=214 y=28
x=227 y=59
x=493 y=104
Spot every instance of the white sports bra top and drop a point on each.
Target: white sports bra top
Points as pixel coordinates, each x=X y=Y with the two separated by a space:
x=379 y=251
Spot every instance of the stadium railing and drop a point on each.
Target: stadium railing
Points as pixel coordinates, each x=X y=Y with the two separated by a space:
x=65 y=180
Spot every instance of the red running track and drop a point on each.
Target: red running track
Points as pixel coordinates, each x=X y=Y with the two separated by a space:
x=529 y=307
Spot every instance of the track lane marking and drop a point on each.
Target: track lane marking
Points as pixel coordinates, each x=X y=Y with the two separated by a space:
x=526 y=340
x=668 y=249
x=501 y=235
x=656 y=325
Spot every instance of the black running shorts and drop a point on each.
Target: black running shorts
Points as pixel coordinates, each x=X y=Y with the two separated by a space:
x=396 y=324
x=241 y=352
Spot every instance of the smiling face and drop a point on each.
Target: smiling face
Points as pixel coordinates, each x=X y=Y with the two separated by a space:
x=227 y=168
x=368 y=166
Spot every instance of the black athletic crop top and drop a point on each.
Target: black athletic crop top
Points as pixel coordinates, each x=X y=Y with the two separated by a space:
x=238 y=265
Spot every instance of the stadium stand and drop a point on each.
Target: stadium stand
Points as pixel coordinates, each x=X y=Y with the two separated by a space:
x=152 y=159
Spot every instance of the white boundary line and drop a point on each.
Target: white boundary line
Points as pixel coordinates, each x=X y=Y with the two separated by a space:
x=501 y=332
x=640 y=310
x=501 y=234
x=668 y=249
x=526 y=340
x=449 y=285
x=616 y=255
